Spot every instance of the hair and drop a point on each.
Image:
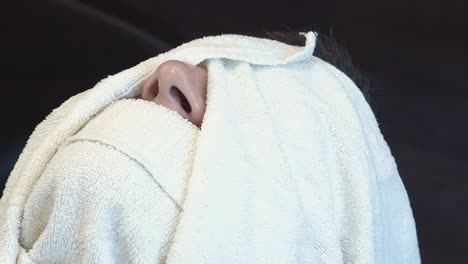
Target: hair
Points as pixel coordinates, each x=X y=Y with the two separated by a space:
x=329 y=50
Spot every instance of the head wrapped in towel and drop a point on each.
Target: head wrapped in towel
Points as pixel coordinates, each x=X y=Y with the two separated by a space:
x=288 y=165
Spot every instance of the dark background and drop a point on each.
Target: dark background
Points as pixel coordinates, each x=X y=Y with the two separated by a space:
x=415 y=55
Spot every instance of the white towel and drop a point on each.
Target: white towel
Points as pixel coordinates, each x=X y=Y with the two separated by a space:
x=289 y=167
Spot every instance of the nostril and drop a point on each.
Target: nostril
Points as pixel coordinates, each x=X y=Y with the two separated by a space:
x=181 y=98
x=154 y=89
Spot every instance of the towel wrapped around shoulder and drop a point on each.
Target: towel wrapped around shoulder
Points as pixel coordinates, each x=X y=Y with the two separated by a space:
x=289 y=166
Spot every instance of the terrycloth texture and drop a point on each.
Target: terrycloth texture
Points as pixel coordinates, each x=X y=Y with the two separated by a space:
x=289 y=167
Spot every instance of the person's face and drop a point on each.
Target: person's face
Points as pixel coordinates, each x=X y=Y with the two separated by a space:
x=180 y=87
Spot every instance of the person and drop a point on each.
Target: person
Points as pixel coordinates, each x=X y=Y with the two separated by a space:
x=227 y=148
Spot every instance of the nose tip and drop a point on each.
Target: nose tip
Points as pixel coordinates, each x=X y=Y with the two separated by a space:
x=180 y=87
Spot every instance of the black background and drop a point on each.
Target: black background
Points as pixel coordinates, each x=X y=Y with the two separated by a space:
x=415 y=55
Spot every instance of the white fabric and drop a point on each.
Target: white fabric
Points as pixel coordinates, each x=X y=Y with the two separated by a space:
x=289 y=167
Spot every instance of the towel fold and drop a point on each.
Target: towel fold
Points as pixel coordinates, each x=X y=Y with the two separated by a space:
x=289 y=166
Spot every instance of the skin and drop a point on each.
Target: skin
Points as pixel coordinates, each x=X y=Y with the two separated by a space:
x=179 y=86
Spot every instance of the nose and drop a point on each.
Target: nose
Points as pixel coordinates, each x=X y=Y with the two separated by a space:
x=179 y=86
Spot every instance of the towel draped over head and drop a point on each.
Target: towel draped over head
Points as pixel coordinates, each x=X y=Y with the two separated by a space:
x=289 y=165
